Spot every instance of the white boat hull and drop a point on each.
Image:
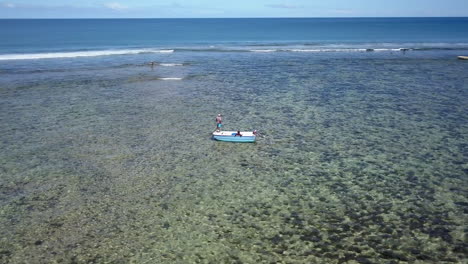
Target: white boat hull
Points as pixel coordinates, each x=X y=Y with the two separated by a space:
x=230 y=136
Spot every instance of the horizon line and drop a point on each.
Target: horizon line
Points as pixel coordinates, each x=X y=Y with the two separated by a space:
x=344 y=17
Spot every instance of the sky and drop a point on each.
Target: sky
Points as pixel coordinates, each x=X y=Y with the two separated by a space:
x=230 y=8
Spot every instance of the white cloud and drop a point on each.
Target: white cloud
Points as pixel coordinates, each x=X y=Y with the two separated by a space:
x=342 y=11
x=284 y=6
x=115 y=6
x=176 y=5
x=8 y=5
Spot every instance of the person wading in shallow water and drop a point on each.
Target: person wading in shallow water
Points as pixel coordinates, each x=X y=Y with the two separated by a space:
x=219 y=121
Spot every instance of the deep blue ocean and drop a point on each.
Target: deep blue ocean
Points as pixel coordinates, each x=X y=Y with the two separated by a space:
x=280 y=34
x=106 y=153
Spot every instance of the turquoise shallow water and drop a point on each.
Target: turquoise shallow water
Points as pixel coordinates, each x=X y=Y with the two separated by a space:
x=362 y=158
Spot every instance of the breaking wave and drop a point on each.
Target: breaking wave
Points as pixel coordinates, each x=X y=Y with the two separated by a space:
x=76 y=54
x=170 y=78
x=272 y=48
x=171 y=64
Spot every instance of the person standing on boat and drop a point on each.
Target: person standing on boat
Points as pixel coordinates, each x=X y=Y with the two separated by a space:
x=219 y=122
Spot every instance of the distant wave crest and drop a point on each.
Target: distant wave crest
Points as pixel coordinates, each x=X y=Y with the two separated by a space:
x=272 y=48
x=330 y=50
x=347 y=50
x=76 y=54
x=384 y=47
x=264 y=50
x=170 y=78
x=170 y=64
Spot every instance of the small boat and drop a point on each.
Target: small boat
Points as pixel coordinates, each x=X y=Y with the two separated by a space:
x=463 y=57
x=233 y=136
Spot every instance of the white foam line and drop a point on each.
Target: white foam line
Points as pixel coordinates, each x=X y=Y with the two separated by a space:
x=306 y=50
x=387 y=49
x=170 y=79
x=264 y=50
x=171 y=64
x=75 y=54
x=328 y=50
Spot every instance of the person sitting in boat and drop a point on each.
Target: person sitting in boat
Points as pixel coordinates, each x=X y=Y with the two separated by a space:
x=238 y=134
x=255 y=132
x=219 y=121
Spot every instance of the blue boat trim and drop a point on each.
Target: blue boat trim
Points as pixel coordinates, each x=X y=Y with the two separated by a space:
x=230 y=136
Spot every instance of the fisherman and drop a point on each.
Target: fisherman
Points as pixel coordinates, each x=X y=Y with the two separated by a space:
x=219 y=121
x=238 y=134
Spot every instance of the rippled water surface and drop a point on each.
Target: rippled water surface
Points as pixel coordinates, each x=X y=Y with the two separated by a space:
x=362 y=158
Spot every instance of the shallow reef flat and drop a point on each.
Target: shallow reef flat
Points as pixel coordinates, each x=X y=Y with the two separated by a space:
x=359 y=160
